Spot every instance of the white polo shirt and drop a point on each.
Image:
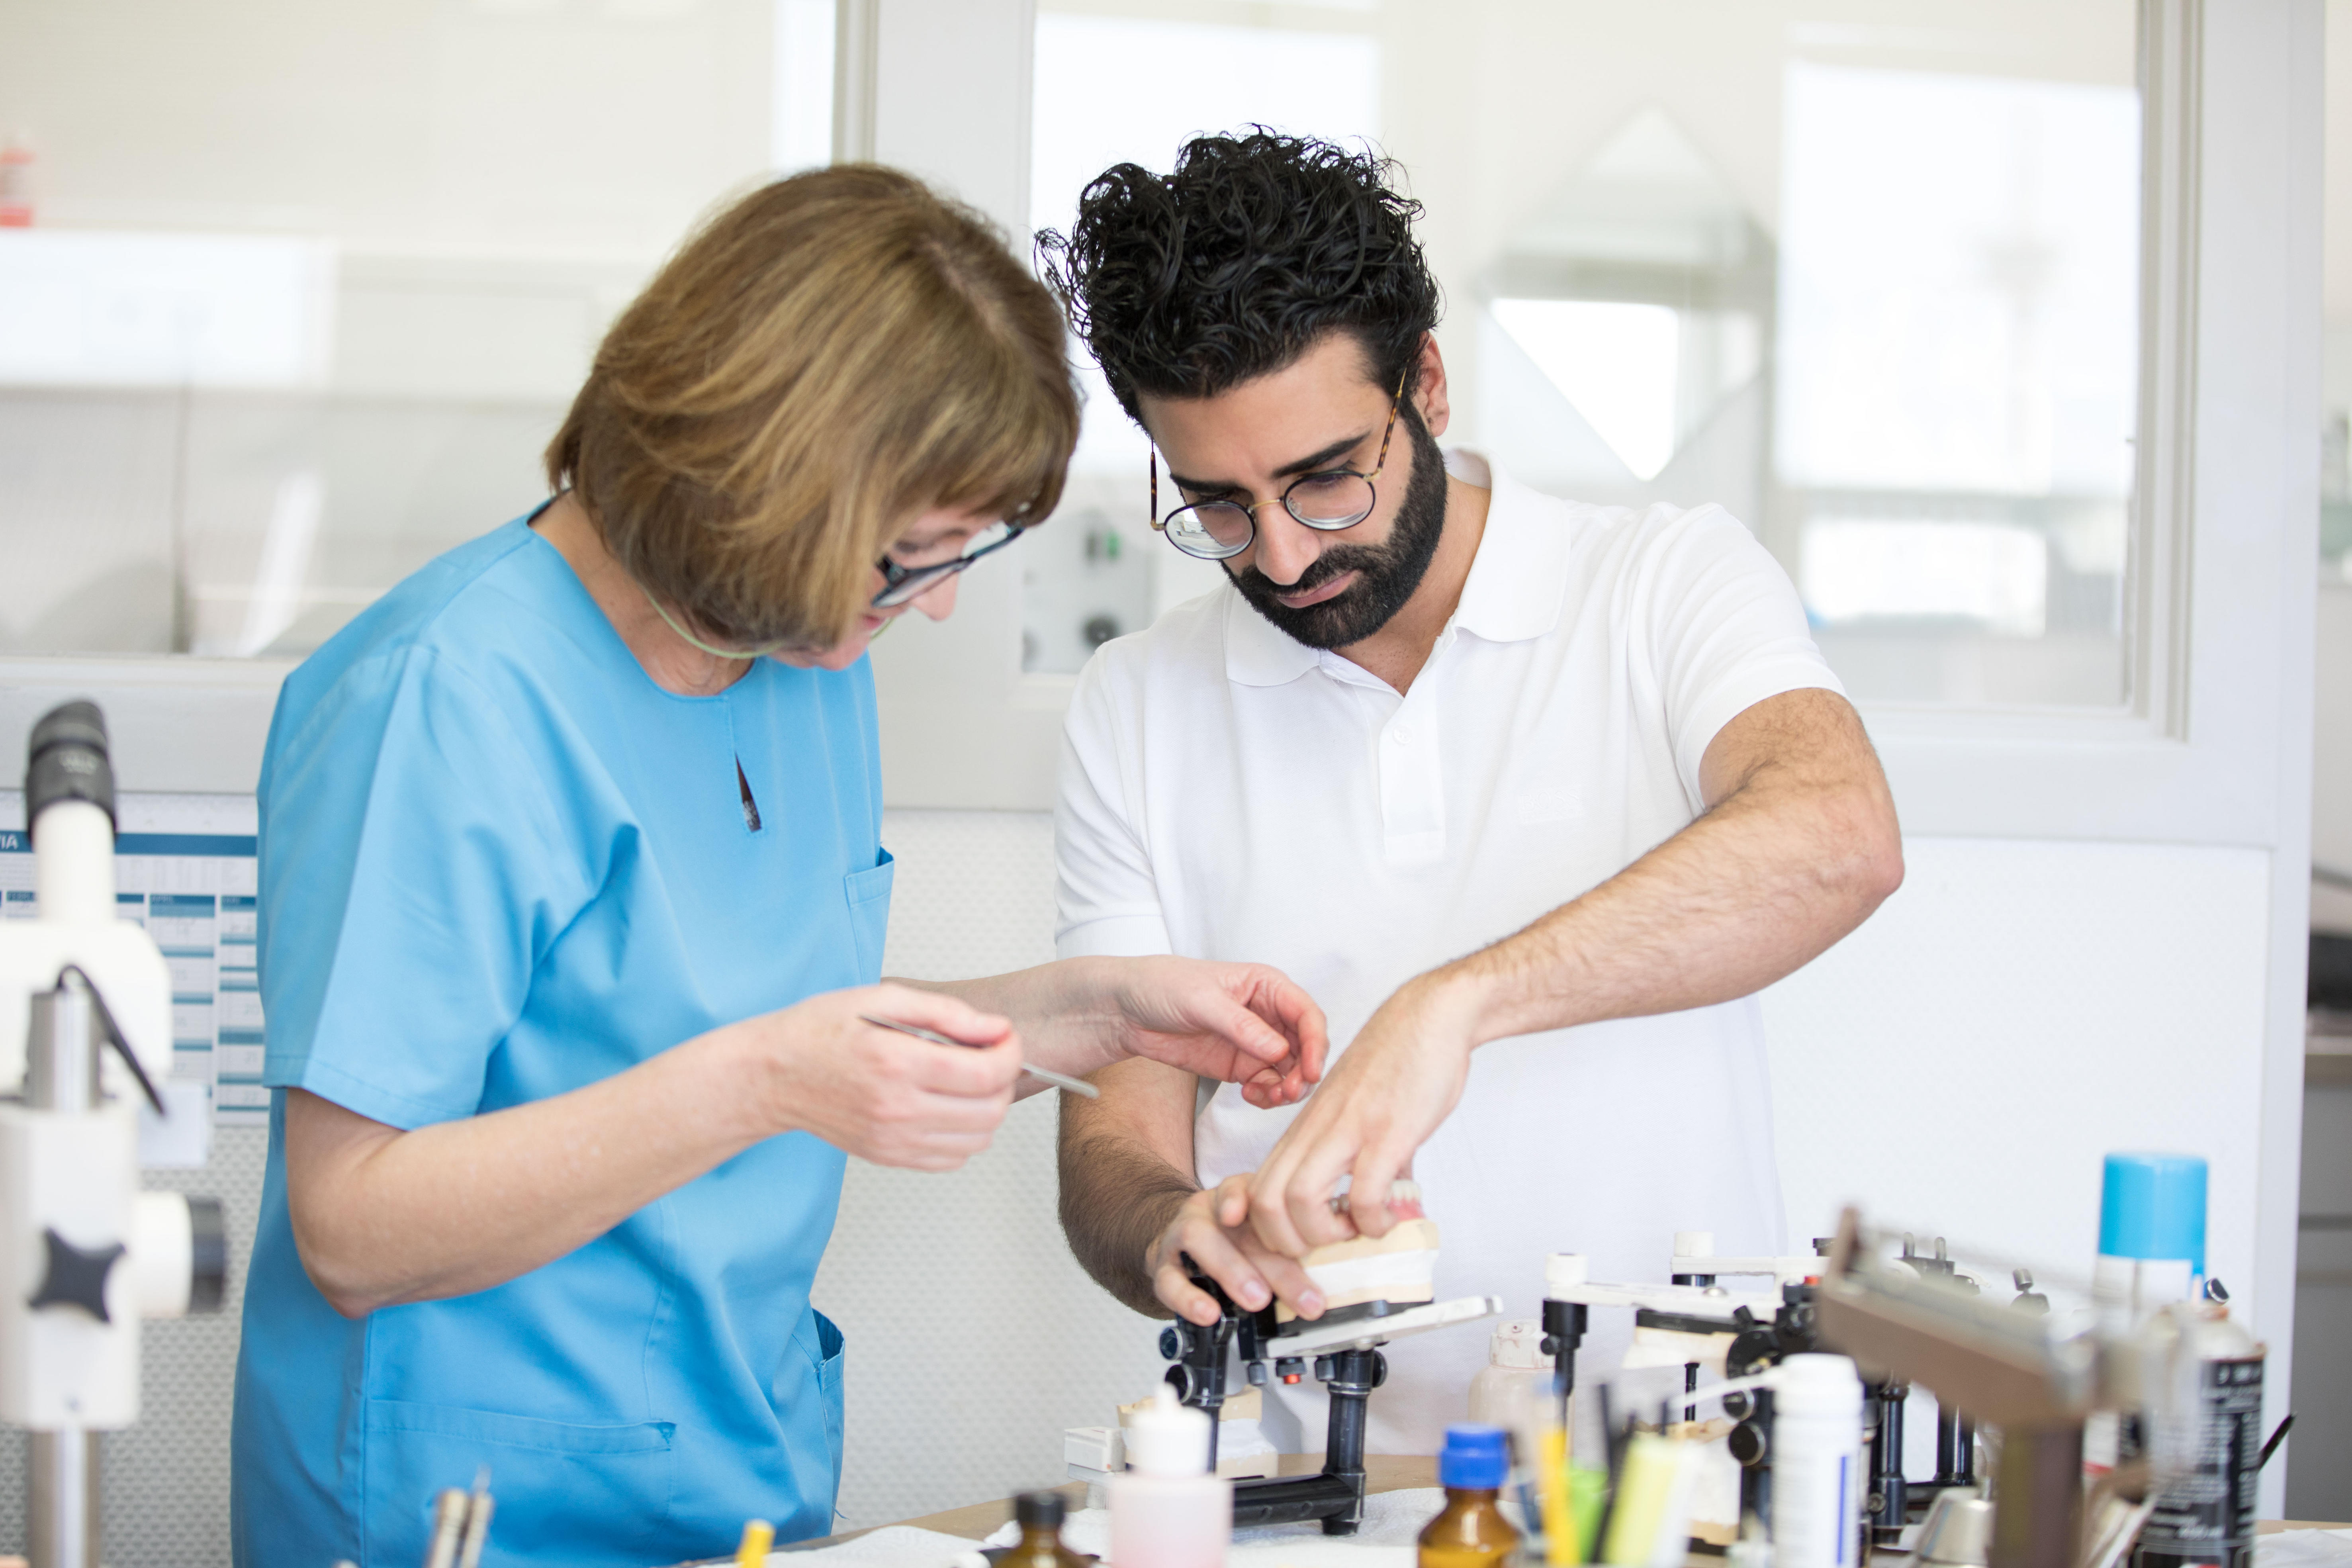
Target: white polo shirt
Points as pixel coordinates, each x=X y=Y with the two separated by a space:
x=1227 y=793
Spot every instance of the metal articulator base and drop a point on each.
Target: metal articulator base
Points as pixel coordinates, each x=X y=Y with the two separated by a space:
x=1345 y=1361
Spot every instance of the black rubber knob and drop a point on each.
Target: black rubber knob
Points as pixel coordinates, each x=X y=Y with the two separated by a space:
x=207 y=1255
x=76 y=1276
x=68 y=759
x=1040 y=1510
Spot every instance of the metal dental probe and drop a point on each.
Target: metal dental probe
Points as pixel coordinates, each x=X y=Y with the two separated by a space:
x=1059 y=1080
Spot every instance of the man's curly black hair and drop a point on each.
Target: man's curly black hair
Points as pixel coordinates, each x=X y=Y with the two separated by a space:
x=1188 y=284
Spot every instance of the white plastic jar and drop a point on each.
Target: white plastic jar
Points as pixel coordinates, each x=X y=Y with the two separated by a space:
x=1515 y=1380
x=1816 y=1459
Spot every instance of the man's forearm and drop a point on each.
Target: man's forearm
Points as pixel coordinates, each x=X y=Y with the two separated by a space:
x=1117 y=1197
x=1775 y=873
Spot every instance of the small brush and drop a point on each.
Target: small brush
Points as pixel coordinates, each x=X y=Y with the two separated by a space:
x=1059 y=1080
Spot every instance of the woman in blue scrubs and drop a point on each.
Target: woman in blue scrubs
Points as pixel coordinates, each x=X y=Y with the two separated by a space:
x=572 y=897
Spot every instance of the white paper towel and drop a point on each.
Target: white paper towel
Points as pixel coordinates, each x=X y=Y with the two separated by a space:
x=1392 y=1524
x=2305 y=1549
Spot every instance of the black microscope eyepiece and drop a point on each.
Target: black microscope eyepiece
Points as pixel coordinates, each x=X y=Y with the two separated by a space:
x=68 y=760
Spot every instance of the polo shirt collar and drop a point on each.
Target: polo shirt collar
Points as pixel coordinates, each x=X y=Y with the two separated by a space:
x=1257 y=653
x=1512 y=594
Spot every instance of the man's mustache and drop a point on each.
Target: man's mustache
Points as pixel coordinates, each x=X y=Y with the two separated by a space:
x=1331 y=563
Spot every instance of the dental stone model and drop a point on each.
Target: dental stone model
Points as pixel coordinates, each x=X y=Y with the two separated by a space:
x=1399 y=1268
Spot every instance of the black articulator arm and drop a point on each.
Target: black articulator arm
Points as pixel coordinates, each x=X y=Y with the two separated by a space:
x=1335 y=1494
x=1759 y=1345
x=1956 y=1435
x=1563 y=1327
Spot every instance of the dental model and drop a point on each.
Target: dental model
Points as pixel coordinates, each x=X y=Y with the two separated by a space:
x=1399 y=1268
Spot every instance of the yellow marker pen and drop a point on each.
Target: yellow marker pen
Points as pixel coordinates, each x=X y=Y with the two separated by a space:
x=1563 y=1546
x=757 y=1536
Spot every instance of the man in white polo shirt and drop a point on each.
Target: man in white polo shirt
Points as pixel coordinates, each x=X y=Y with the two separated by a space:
x=1531 y=796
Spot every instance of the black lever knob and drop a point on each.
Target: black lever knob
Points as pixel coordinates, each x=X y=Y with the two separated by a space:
x=76 y=1278
x=207 y=1255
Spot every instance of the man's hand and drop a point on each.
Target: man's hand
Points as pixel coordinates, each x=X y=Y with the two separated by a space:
x=1400 y=1079
x=1229 y=1023
x=1210 y=1228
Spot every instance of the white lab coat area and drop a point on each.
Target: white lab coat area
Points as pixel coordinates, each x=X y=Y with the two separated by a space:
x=2018 y=333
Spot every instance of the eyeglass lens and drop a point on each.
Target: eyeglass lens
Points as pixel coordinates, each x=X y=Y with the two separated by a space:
x=1214 y=529
x=907 y=582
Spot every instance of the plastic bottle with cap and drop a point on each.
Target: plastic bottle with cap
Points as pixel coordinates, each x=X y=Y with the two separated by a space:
x=1165 y=1509
x=1514 y=1389
x=2151 y=1256
x=2151 y=1236
x=1817 y=1467
x=1471 y=1532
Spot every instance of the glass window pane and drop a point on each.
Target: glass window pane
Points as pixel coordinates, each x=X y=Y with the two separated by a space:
x=1868 y=278
x=286 y=323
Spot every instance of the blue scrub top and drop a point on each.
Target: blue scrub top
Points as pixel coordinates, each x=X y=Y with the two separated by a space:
x=499 y=863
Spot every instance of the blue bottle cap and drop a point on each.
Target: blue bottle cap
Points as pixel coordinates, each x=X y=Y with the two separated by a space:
x=1473 y=1458
x=2153 y=1206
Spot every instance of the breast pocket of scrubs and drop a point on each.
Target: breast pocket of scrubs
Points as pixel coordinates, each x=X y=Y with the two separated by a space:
x=868 y=892
x=575 y=1493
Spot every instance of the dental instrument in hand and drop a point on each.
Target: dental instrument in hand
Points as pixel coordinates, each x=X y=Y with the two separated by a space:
x=1059 y=1080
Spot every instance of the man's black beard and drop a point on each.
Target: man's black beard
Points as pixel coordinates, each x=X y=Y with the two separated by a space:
x=1389 y=572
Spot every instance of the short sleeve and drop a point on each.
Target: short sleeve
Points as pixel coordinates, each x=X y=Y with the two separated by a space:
x=1106 y=900
x=1727 y=631
x=412 y=873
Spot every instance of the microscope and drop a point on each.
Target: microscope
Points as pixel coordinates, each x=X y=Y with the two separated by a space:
x=1343 y=1349
x=84 y=1254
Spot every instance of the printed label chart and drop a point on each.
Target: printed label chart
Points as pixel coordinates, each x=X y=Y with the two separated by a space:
x=193 y=892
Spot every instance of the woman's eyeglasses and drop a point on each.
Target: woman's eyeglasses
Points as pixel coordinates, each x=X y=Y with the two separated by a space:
x=1330 y=500
x=902 y=583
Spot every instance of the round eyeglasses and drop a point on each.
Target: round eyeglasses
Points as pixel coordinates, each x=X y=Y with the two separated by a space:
x=1326 y=500
x=902 y=583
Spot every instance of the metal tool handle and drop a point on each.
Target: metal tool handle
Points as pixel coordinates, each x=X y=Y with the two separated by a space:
x=1059 y=1080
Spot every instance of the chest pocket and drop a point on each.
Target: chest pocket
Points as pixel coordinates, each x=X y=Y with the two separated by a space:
x=868 y=892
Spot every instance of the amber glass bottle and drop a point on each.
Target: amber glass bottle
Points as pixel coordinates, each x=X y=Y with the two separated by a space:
x=1472 y=1532
x=1039 y=1515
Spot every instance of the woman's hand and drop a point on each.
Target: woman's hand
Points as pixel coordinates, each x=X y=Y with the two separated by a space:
x=1213 y=1230
x=889 y=1097
x=1231 y=1023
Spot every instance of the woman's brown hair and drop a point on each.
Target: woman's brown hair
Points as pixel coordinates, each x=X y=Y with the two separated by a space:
x=825 y=359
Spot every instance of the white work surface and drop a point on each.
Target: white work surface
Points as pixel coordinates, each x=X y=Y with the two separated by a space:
x=1393 y=1523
